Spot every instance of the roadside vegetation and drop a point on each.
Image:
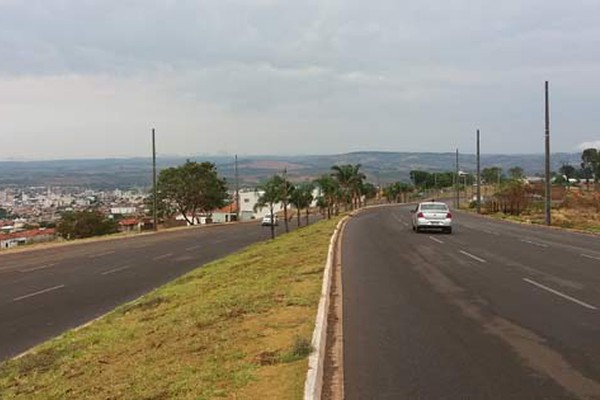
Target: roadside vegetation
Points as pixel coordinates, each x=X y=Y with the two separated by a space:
x=236 y=328
x=575 y=195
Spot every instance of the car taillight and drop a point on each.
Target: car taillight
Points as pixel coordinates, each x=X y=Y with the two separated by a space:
x=449 y=215
x=420 y=215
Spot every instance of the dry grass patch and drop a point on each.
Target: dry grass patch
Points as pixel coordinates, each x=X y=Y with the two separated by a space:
x=237 y=328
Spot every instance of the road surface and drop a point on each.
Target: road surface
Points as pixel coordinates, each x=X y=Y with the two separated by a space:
x=45 y=292
x=494 y=311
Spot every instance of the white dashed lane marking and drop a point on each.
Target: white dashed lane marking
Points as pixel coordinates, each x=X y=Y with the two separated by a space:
x=112 y=271
x=38 y=293
x=556 y=292
x=474 y=257
x=436 y=240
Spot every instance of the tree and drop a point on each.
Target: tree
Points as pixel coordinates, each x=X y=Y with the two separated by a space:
x=590 y=161
x=83 y=224
x=516 y=173
x=397 y=192
x=419 y=178
x=285 y=188
x=3 y=213
x=301 y=198
x=329 y=193
x=192 y=188
x=491 y=175
x=369 y=191
x=271 y=195
x=568 y=171
x=350 y=180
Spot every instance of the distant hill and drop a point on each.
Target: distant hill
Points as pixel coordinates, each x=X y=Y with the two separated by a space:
x=382 y=167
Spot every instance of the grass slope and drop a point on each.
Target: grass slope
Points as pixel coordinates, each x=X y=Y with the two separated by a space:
x=238 y=328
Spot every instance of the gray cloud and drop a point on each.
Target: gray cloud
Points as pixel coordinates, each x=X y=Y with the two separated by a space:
x=301 y=76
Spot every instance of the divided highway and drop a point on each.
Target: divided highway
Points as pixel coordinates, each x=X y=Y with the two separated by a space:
x=493 y=311
x=47 y=291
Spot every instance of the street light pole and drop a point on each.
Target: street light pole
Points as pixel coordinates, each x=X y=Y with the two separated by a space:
x=237 y=191
x=548 y=191
x=154 y=191
x=457 y=183
x=478 y=175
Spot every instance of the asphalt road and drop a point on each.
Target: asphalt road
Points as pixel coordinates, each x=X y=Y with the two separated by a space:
x=494 y=311
x=45 y=292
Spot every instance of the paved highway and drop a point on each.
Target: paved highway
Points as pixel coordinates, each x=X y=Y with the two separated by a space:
x=493 y=311
x=45 y=292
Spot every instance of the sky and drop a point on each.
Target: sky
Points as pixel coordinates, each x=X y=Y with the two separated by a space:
x=90 y=79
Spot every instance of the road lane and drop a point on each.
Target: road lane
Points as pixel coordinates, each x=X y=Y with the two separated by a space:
x=47 y=291
x=424 y=319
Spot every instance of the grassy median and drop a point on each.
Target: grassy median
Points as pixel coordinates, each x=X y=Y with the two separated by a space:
x=237 y=328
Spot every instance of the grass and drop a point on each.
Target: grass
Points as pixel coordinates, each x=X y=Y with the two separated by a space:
x=238 y=328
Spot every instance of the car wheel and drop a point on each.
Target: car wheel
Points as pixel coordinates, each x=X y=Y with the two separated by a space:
x=417 y=229
x=449 y=230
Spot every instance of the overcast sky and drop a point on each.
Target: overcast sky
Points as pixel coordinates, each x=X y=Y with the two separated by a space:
x=91 y=78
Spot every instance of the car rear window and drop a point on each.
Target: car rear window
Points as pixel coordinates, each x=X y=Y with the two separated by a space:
x=434 y=207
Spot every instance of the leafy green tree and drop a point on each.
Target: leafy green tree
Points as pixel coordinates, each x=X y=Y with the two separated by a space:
x=397 y=192
x=369 y=191
x=568 y=171
x=191 y=188
x=590 y=161
x=491 y=175
x=83 y=224
x=301 y=198
x=419 y=178
x=516 y=173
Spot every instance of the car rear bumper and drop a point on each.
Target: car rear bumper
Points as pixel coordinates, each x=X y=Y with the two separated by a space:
x=437 y=223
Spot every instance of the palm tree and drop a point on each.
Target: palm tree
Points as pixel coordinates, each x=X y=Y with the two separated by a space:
x=329 y=193
x=285 y=189
x=351 y=180
x=271 y=195
x=301 y=198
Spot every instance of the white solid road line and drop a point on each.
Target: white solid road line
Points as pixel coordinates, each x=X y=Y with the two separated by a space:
x=436 y=240
x=591 y=257
x=564 y=296
x=534 y=243
x=481 y=260
x=40 y=292
x=192 y=248
x=111 y=271
x=38 y=268
x=163 y=256
x=102 y=254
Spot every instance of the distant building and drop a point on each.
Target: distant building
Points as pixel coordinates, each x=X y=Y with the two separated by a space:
x=14 y=239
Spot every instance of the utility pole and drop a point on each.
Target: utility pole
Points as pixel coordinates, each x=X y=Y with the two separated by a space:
x=237 y=191
x=457 y=183
x=154 y=199
x=285 y=202
x=547 y=137
x=478 y=174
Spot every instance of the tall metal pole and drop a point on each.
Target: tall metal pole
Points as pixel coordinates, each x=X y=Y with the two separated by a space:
x=547 y=137
x=237 y=191
x=457 y=183
x=154 y=199
x=478 y=173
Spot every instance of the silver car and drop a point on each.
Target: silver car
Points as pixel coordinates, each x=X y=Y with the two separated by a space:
x=432 y=215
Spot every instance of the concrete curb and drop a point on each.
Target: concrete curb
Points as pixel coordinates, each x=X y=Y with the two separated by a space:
x=313 y=385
